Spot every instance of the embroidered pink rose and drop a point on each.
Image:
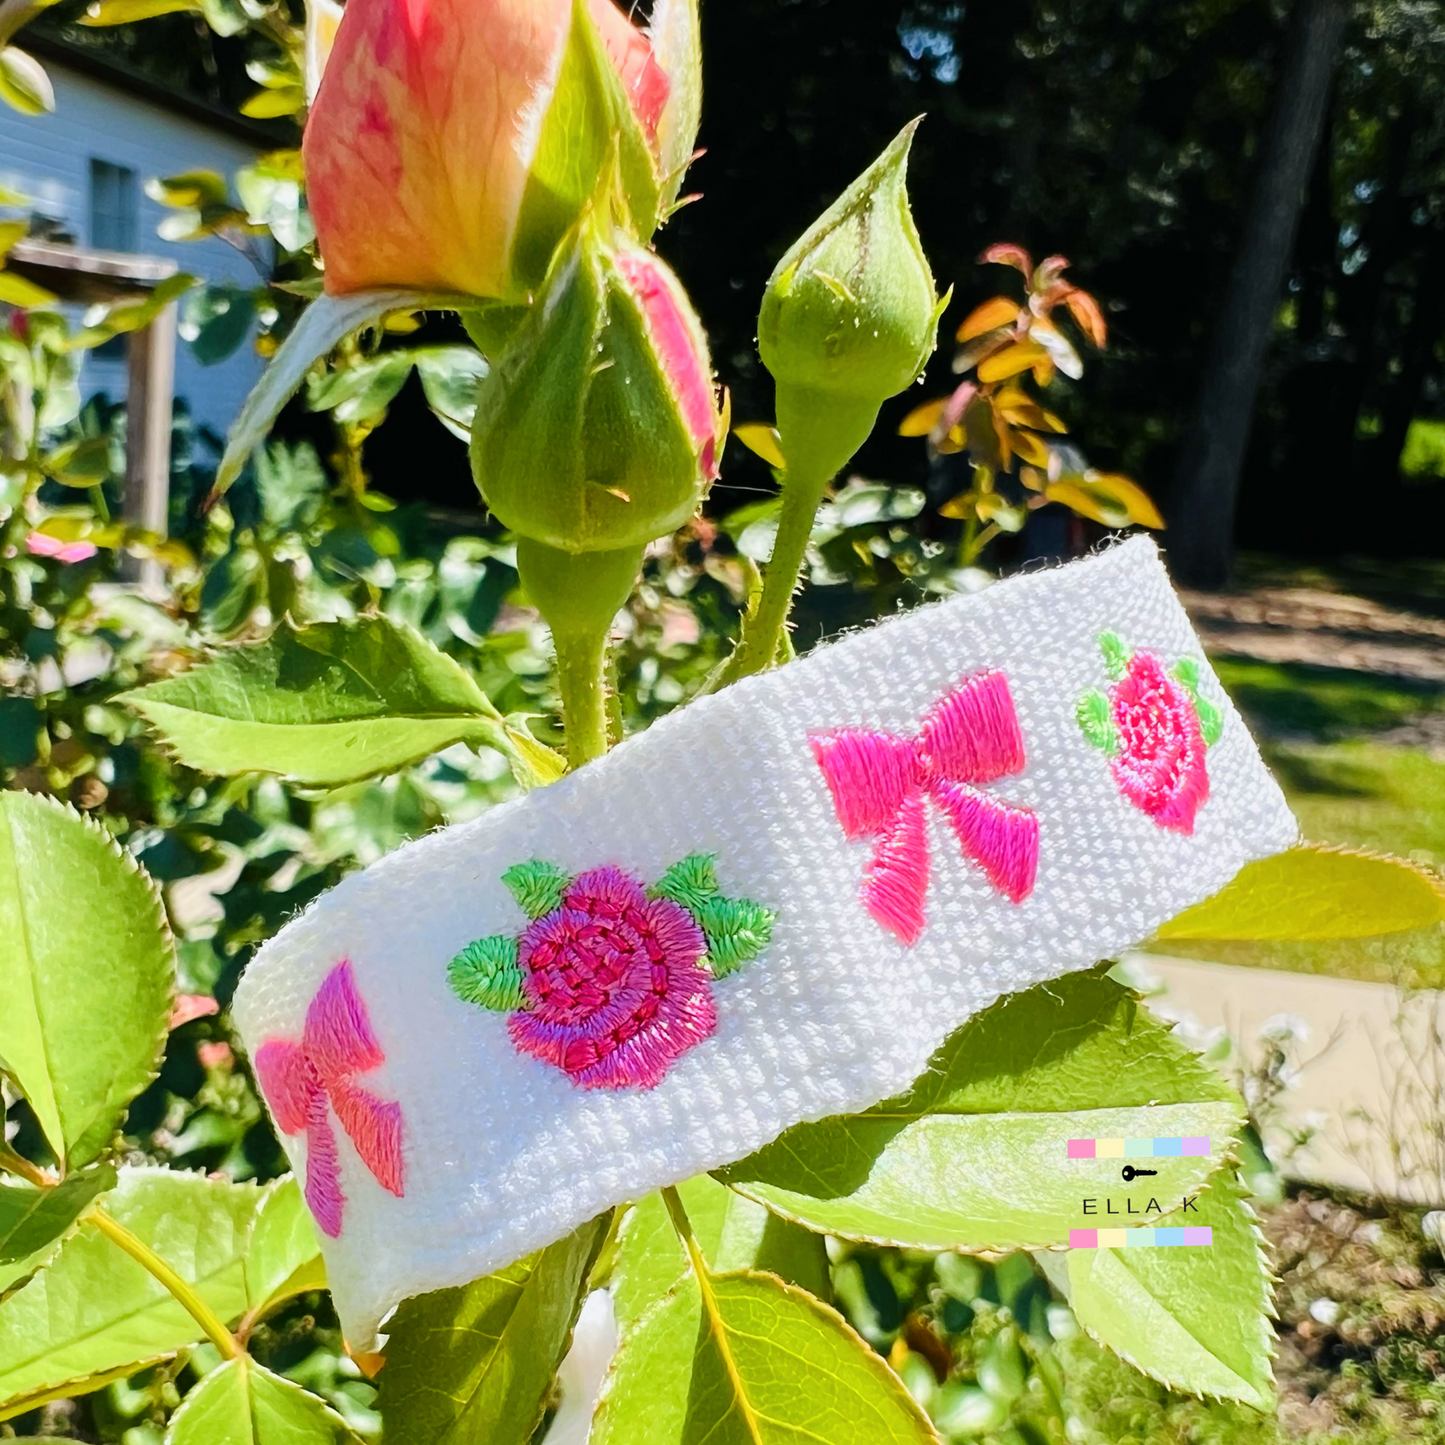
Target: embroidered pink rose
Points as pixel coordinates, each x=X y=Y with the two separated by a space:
x=612 y=983
x=1156 y=729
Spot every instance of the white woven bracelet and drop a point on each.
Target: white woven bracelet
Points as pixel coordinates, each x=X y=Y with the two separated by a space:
x=771 y=907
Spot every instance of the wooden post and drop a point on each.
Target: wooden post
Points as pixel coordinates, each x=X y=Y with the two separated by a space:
x=149 y=394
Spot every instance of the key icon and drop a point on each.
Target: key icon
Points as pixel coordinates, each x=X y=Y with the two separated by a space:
x=1131 y=1173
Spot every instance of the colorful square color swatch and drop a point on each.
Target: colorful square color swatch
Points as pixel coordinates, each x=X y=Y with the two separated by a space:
x=1140 y=1238
x=1139 y=1148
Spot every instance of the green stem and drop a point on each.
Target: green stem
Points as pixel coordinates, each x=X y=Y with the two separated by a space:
x=683 y=1225
x=763 y=630
x=148 y=1260
x=820 y=432
x=578 y=595
x=581 y=679
x=14 y=1163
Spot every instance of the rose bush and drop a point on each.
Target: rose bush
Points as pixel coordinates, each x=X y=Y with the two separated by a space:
x=459 y=148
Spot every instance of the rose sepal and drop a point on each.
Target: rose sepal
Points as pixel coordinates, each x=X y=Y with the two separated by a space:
x=324 y=323
x=589 y=123
x=597 y=428
x=676 y=34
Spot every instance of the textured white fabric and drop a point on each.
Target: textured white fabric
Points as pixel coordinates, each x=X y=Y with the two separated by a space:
x=504 y=1153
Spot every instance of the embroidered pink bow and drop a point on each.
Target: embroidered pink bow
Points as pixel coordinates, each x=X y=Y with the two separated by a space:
x=306 y=1082
x=880 y=784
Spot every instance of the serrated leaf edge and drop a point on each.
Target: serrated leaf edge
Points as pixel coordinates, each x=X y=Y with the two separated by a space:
x=168 y=941
x=872 y=1360
x=1268 y=1280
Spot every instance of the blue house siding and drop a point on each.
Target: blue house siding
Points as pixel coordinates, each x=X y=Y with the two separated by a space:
x=81 y=154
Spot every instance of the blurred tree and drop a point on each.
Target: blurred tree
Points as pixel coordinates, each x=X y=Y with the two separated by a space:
x=1213 y=451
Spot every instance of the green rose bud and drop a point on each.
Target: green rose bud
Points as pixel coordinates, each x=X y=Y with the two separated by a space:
x=597 y=427
x=849 y=318
x=596 y=431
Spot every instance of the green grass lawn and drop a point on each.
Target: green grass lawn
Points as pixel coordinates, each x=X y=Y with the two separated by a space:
x=1315 y=726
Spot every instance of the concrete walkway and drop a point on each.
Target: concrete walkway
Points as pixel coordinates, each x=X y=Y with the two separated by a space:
x=1356 y=1068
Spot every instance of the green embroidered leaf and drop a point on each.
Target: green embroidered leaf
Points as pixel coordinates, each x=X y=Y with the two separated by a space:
x=94 y=1314
x=1186 y=670
x=486 y=973
x=1315 y=892
x=475 y=1364
x=1195 y=1318
x=1211 y=721
x=326 y=704
x=242 y=1403
x=87 y=971
x=1116 y=654
x=733 y=1233
x=748 y=1360
x=737 y=931
x=1093 y=713
x=34 y=1221
x=537 y=886
x=973 y=1156
x=691 y=882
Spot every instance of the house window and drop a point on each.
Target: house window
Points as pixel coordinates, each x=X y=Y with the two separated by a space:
x=114 y=202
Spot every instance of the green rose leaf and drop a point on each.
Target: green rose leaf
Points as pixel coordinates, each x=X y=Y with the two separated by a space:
x=691 y=882
x=973 y=1156
x=87 y=972
x=324 y=705
x=734 y=1233
x=744 y=1357
x=537 y=886
x=1195 y=1318
x=1314 y=892
x=476 y=1363
x=241 y=1403
x=95 y=1315
x=34 y=1221
x=737 y=931
x=283 y=1259
x=487 y=974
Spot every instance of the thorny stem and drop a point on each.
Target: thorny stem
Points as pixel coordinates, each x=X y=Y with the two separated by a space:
x=148 y=1260
x=581 y=679
x=763 y=630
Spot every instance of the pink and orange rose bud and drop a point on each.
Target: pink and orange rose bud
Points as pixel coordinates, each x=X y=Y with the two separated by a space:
x=454 y=142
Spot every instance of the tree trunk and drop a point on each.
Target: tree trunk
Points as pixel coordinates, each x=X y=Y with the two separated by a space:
x=1206 y=488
